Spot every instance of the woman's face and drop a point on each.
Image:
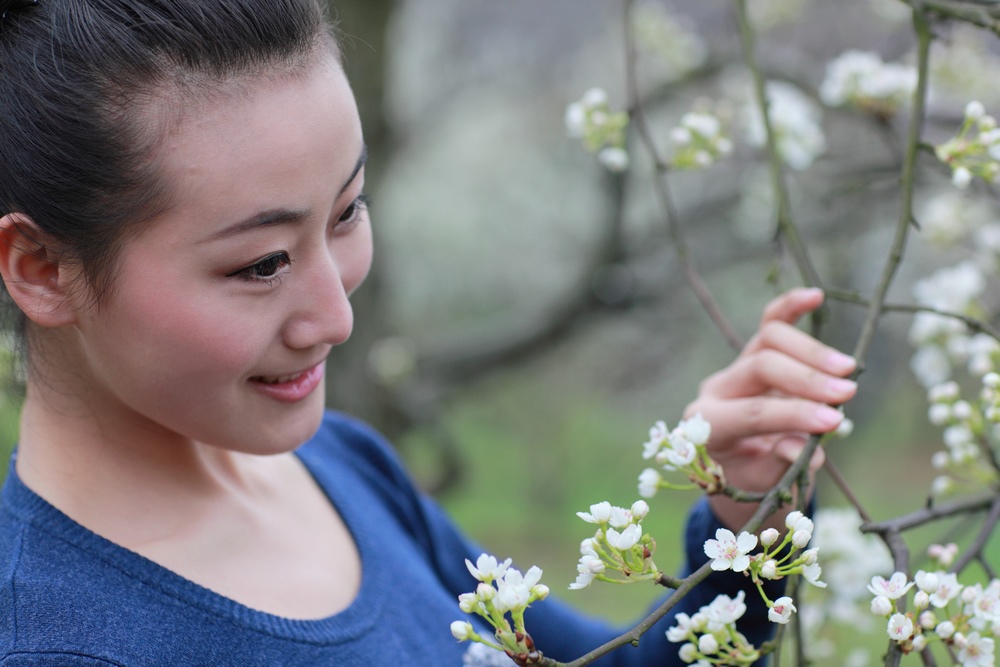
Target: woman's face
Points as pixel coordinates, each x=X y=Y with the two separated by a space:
x=226 y=306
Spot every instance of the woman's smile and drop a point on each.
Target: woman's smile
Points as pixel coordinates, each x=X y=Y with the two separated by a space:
x=290 y=388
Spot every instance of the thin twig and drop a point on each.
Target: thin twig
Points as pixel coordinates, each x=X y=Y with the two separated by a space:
x=974 y=325
x=785 y=223
x=691 y=274
x=838 y=479
x=924 y=516
x=975 y=550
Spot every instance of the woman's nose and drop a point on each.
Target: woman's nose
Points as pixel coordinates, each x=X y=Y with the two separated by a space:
x=322 y=313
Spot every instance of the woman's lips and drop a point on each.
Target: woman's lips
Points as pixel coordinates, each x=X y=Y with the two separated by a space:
x=290 y=388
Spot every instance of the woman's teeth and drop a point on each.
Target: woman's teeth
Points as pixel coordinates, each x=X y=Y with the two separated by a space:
x=278 y=379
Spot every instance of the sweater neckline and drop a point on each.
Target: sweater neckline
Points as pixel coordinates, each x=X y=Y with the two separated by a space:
x=344 y=626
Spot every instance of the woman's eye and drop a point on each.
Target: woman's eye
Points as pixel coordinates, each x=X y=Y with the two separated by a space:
x=267 y=269
x=349 y=218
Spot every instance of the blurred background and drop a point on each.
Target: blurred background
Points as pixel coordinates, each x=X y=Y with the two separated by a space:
x=526 y=321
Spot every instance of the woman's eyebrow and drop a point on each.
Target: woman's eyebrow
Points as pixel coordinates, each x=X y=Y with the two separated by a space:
x=284 y=216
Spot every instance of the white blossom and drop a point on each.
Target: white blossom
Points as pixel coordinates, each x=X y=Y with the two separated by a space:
x=900 y=627
x=724 y=610
x=861 y=78
x=696 y=430
x=893 y=588
x=977 y=651
x=614 y=158
x=627 y=539
x=796 y=122
x=487 y=568
x=947 y=590
x=681 y=629
x=649 y=482
x=781 y=611
x=515 y=590
x=599 y=513
x=728 y=551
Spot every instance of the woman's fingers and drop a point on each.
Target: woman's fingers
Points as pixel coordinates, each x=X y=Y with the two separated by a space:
x=736 y=419
x=792 y=305
x=770 y=371
x=797 y=344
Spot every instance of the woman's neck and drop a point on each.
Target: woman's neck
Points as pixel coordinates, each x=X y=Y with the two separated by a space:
x=128 y=481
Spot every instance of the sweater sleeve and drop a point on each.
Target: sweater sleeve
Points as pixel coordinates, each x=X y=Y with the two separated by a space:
x=559 y=631
x=53 y=659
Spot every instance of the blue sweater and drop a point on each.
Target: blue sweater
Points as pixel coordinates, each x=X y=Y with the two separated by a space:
x=71 y=597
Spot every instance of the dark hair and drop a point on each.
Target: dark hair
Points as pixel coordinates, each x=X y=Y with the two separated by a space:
x=76 y=77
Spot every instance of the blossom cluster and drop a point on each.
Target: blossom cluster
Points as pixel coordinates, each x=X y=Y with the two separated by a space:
x=709 y=637
x=796 y=121
x=965 y=618
x=619 y=546
x=861 y=79
x=502 y=590
x=941 y=340
x=967 y=428
x=975 y=151
x=678 y=49
x=681 y=449
x=731 y=552
x=602 y=130
x=850 y=560
x=699 y=141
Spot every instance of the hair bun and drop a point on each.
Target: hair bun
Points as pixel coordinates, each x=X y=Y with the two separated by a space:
x=8 y=6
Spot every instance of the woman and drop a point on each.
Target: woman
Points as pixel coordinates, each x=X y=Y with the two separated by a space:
x=182 y=226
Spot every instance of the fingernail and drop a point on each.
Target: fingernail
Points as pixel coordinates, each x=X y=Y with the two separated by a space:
x=828 y=417
x=838 y=362
x=841 y=385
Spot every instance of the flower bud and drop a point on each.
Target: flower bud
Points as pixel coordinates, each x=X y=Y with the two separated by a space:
x=539 y=591
x=882 y=606
x=810 y=556
x=640 y=509
x=939 y=413
x=792 y=518
x=944 y=392
x=961 y=410
x=462 y=630
x=467 y=602
x=769 y=537
x=688 y=652
x=769 y=570
x=927 y=620
x=927 y=581
x=485 y=592
x=801 y=538
x=708 y=644
x=921 y=600
x=945 y=630
x=974 y=110
x=919 y=643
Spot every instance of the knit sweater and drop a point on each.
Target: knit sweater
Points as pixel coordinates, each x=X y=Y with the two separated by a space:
x=70 y=597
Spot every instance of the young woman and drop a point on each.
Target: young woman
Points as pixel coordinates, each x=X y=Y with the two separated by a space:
x=181 y=226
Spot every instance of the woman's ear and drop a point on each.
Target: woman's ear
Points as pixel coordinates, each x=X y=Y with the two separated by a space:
x=32 y=273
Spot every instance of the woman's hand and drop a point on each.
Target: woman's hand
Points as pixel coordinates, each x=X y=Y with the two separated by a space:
x=764 y=405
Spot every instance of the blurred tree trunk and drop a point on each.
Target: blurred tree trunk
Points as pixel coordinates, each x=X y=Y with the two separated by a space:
x=363 y=25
